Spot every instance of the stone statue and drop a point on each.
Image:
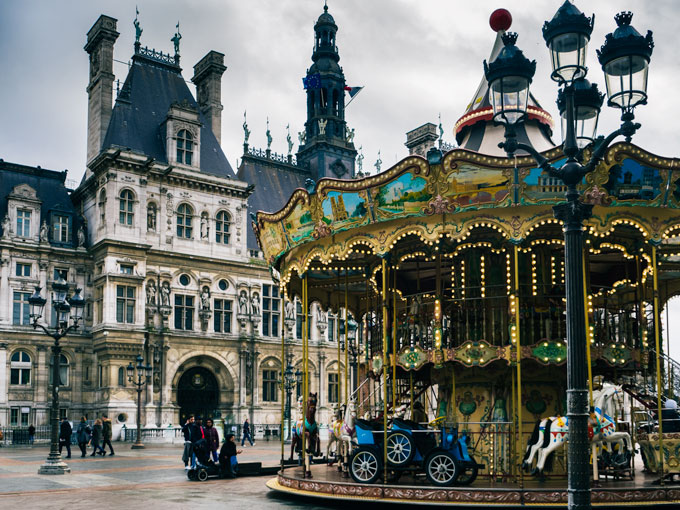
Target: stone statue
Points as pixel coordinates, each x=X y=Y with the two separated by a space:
x=243 y=303
x=6 y=226
x=165 y=294
x=378 y=163
x=81 y=237
x=205 y=299
x=151 y=292
x=175 y=40
x=320 y=315
x=302 y=136
x=255 y=304
x=151 y=217
x=350 y=135
x=269 y=136
x=441 y=128
x=204 y=226
x=44 y=230
x=138 y=28
x=360 y=159
x=322 y=126
x=289 y=140
x=290 y=310
x=246 y=131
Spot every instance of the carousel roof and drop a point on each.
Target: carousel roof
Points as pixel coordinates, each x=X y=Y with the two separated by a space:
x=476 y=131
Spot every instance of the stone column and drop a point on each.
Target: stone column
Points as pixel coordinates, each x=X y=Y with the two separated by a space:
x=5 y=310
x=242 y=397
x=4 y=409
x=321 y=373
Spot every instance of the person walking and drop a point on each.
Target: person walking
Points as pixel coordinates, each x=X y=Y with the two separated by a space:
x=107 y=433
x=246 y=433
x=188 y=444
x=213 y=438
x=83 y=435
x=96 y=439
x=65 y=432
x=227 y=457
x=31 y=433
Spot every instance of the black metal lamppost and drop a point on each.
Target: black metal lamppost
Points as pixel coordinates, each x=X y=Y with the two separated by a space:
x=355 y=351
x=289 y=381
x=66 y=309
x=143 y=375
x=624 y=58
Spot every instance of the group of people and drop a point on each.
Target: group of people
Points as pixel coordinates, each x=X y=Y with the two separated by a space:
x=199 y=437
x=99 y=436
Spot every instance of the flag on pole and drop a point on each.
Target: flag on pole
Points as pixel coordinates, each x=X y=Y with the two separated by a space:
x=353 y=91
x=313 y=81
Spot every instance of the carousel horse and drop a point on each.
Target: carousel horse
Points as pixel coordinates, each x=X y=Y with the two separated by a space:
x=551 y=433
x=310 y=428
x=342 y=432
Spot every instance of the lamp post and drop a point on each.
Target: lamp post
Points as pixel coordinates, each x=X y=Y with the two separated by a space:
x=288 y=385
x=354 y=352
x=67 y=309
x=143 y=374
x=624 y=58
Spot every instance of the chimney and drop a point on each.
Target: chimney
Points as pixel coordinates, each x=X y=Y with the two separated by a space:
x=100 y=40
x=208 y=80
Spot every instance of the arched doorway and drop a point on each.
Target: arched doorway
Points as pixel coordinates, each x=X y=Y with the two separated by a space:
x=197 y=394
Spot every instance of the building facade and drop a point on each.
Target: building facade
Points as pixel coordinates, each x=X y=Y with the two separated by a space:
x=158 y=236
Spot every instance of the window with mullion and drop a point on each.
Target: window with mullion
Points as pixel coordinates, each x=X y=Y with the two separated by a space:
x=333 y=386
x=222 y=318
x=299 y=317
x=270 y=310
x=60 y=232
x=125 y=304
x=23 y=223
x=184 y=218
x=20 y=310
x=185 y=147
x=127 y=202
x=270 y=386
x=184 y=312
x=222 y=222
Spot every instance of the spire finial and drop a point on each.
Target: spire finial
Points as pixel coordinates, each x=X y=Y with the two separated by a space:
x=325 y=5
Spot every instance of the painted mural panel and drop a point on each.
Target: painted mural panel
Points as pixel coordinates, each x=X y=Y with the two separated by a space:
x=470 y=185
x=539 y=187
x=404 y=196
x=631 y=180
x=272 y=237
x=344 y=210
x=299 y=224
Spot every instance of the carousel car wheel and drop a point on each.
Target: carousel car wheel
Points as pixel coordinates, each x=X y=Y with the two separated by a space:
x=467 y=475
x=202 y=475
x=365 y=466
x=400 y=448
x=191 y=475
x=441 y=468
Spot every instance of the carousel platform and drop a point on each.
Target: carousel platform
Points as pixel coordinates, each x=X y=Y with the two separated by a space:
x=327 y=483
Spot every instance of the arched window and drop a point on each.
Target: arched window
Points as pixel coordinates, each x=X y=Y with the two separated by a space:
x=20 y=368
x=184 y=217
x=151 y=215
x=63 y=370
x=121 y=376
x=127 y=206
x=185 y=147
x=222 y=226
x=102 y=206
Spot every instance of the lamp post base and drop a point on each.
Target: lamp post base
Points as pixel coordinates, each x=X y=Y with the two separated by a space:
x=54 y=466
x=138 y=446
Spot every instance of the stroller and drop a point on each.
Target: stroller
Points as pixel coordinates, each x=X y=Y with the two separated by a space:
x=205 y=467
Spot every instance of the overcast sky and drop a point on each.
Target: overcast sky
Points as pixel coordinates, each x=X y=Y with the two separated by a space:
x=416 y=59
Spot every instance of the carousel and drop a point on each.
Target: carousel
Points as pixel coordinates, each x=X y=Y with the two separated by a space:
x=448 y=277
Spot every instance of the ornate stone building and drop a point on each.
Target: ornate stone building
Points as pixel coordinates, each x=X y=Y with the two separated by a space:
x=158 y=235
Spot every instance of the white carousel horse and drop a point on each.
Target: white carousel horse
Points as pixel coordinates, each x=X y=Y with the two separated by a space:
x=551 y=433
x=342 y=432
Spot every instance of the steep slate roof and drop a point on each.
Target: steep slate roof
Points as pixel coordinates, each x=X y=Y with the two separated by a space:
x=150 y=88
x=49 y=187
x=274 y=184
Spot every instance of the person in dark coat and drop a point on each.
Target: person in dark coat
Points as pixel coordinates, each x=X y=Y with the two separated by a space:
x=83 y=436
x=213 y=438
x=65 y=432
x=197 y=433
x=228 y=457
x=107 y=433
x=31 y=433
x=246 y=433
x=188 y=444
x=96 y=439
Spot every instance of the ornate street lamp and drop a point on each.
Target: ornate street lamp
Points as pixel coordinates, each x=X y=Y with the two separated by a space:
x=625 y=59
x=289 y=381
x=143 y=375
x=54 y=465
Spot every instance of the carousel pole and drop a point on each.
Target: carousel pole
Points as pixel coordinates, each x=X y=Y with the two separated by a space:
x=282 y=377
x=337 y=339
x=394 y=340
x=384 y=345
x=657 y=345
x=347 y=387
x=518 y=351
x=593 y=446
x=670 y=375
x=305 y=375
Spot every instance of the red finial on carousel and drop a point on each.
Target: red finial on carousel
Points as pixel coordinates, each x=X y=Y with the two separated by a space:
x=500 y=19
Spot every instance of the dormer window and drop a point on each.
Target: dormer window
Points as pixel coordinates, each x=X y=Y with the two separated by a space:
x=60 y=232
x=185 y=147
x=23 y=223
